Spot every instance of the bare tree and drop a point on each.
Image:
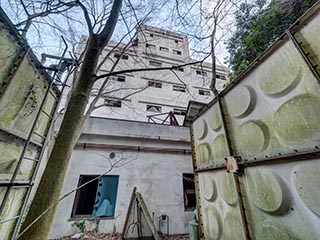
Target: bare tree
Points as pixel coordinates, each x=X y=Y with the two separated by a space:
x=101 y=19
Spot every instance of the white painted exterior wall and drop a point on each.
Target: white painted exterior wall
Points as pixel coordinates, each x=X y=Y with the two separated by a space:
x=156 y=173
x=147 y=47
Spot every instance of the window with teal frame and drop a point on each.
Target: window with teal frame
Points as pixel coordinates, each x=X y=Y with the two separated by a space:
x=96 y=199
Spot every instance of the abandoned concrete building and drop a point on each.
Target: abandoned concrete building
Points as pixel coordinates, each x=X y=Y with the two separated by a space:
x=120 y=136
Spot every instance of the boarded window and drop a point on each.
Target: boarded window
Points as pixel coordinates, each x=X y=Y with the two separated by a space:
x=204 y=92
x=189 y=192
x=97 y=198
x=154 y=108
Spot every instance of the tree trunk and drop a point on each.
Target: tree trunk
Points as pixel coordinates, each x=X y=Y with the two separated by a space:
x=52 y=179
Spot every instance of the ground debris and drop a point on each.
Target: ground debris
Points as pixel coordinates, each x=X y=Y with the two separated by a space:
x=90 y=235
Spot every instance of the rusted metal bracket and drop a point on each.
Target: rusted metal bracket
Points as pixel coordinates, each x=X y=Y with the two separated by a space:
x=232 y=163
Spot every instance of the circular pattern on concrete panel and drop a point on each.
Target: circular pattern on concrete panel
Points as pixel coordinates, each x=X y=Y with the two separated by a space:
x=240 y=101
x=219 y=147
x=215 y=121
x=227 y=188
x=203 y=153
x=212 y=223
x=253 y=136
x=307 y=183
x=279 y=75
x=200 y=129
x=274 y=231
x=232 y=226
x=265 y=190
x=208 y=187
x=298 y=119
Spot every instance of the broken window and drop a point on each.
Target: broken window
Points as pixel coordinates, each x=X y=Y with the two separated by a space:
x=178 y=88
x=189 y=192
x=204 y=92
x=112 y=102
x=97 y=198
x=178 y=111
x=154 y=108
x=154 y=84
x=176 y=52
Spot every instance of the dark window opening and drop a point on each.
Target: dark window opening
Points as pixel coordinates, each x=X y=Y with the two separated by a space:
x=151 y=46
x=151 y=35
x=97 y=199
x=153 y=108
x=178 y=111
x=155 y=64
x=164 y=49
x=176 y=41
x=177 y=52
x=121 y=78
x=202 y=73
x=222 y=77
x=112 y=102
x=189 y=192
x=181 y=69
x=154 y=84
x=124 y=56
x=204 y=92
x=178 y=88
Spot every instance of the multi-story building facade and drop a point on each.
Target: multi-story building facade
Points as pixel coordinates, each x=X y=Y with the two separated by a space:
x=137 y=95
x=154 y=158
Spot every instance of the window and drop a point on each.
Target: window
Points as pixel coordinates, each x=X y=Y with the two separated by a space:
x=181 y=69
x=124 y=56
x=96 y=199
x=176 y=41
x=202 y=73
x=178 y=111
x=151 y=46
x=121 y=78
x=155 y=64
x=178 y=88
x=151 y=35
x=154 y=84
x=177 y=52
x=164 y=49
x=112 y=102
x=204 y=92
x=222 y=77
x=153 y=108
x=189 y=192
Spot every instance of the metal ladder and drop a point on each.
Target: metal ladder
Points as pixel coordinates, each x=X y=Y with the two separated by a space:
x=54 y=81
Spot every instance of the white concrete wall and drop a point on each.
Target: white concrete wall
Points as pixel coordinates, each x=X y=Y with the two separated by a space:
x=139 y=56
x=156 y=174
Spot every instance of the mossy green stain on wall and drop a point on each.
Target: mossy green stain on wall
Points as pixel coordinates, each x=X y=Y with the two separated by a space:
x=227 y=188
x=298 y=119
x=21 y=100
x=265 y=190
x=306 y=179
x=212 y=223
x=203 y=153
x=8 y=51
x=220 y=148
x=232 y=226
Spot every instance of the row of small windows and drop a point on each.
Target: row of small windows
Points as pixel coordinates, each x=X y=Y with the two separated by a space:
x=151 y=35
x=150 y=108
x=163 y=49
